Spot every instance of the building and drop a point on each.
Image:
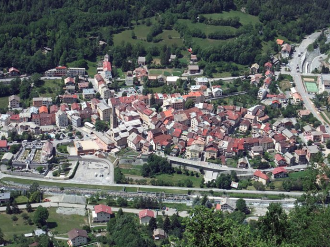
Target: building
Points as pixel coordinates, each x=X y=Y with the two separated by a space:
x=242 y=163
x=171 y=80
x=104 y=111
x=14 y=101
x=129 y=78
x=76 y=121
x=311 y=152
x=286 y=50
x=88 y=93
x=159 y=234
x=260 y=177
x=107 y=70
x=145 y=216
x=105 y=92
x=73 y=72
x=77 y=237
x=13 y=71
x=141 y=61
x=3 y=146
x=193 y=69
x=323 y=82
x=279 y=172
x=42 y=101
x=202 y=81
x=6 y=158
x=280 y=160
x=69 y=98
x=61 y=119
x=4 y=197
x=216 y=91
x=101 y=213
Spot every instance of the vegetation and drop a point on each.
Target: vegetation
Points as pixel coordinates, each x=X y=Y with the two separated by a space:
x=156 y=165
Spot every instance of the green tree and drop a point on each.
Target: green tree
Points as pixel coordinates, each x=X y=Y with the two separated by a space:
x=2 y=239
x=241 y=205
x=40 y=216
x=8 y=209
x=101 y=126
x=274 y=226
x=29 y=207
x=167 y=224
x=152 y=224
x=189 y=104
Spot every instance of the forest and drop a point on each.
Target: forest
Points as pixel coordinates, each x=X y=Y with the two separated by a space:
x=73 y=29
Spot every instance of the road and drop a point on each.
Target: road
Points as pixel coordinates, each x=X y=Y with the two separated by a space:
x=169 y=212
x=296 y=60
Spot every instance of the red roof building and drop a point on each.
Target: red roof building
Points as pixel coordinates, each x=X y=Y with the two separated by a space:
x=146 y=213
x=261 y=177
x=3 y=144
x=102 y=208
x=43 y=109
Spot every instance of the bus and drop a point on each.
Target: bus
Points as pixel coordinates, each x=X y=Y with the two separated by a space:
x=88 y=125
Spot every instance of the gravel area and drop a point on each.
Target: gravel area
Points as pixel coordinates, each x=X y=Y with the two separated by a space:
x=70 y=211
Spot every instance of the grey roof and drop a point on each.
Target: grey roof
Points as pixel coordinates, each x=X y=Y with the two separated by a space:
x=77 y=233
x=313 y=149
x=5 y=196
x=257 y=149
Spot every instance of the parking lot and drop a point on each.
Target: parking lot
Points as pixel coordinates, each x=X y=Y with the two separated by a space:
x=93 y=172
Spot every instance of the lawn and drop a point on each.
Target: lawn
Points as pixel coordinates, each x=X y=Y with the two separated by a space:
x=135 y=170
x=166 y=72
x=244 y=18
x=62 y=223
x=21 y=200
x=285 y=85
x=62 y=148
x=231 y=163
x=175 y=178
x=157 y=89
x=3 y=102
x=169 y=37
x=50 y=88
x=300 y=174
x=56 y=222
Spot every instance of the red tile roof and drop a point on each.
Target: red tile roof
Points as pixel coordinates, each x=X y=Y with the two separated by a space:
x=43 y=109
x=106 y=66
x=260 y=174
x=3 y=143
x=278 y=170
x=102 y=208
x=145 y=213
x=177 y=133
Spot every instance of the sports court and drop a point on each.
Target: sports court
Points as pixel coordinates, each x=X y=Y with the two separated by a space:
x=310 y=85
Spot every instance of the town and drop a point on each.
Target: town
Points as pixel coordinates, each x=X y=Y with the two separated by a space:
x=226 y=134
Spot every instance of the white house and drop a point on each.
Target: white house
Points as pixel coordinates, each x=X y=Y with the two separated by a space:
x=216 y=91
x=202 y=81
x=101 y=213
x=61 y=119
x=145 y=216
x=171 y=80
x=77 y=237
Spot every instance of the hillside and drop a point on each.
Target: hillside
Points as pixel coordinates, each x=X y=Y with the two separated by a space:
x=217 y=30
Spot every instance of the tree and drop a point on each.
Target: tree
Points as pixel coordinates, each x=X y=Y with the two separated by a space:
x=101 y=126
x=29 y=207
x=152 y=224
x=328 y=144
x=15 y=208
x=189 y=104
x=34 y=187
x=40 y=169
x=98 y=95
x=8 y=209
x=167 y=224
x=274 y=225
x=40 y=216
x=120 y=212
x=2 y=240
x=14 y=148
x=241 y=205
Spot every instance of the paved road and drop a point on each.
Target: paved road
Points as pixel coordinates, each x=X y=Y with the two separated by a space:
x=302 y=48
x=170 y=211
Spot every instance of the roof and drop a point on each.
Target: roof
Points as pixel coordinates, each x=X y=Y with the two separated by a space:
x=260 y=174
x=102 y=208
x=3 y=143
x=77 y=233
x=43 y=109
x=193 y=67
x=106 y=66
x=278 y=170
x=279 y=41
x=278 y=157
x=145 y=213
x=159 y=231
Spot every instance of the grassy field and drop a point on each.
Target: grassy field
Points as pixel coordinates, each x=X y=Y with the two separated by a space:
x=244 y=18
x=285 y=85
x=3 y=102
x=56 y=222
x=169 y=37
x=62 y=223
x=50 y=88
x=21 y=200
x=62 y=148
x=300 y=174
x=175 y=178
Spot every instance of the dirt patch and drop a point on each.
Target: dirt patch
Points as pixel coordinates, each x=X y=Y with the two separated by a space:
x=285 y=85
x=70 y=211
x=125 y=166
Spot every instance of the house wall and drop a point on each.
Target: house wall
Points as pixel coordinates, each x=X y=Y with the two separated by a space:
x=102 y=217
x=145 y=220
x=78 y=241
